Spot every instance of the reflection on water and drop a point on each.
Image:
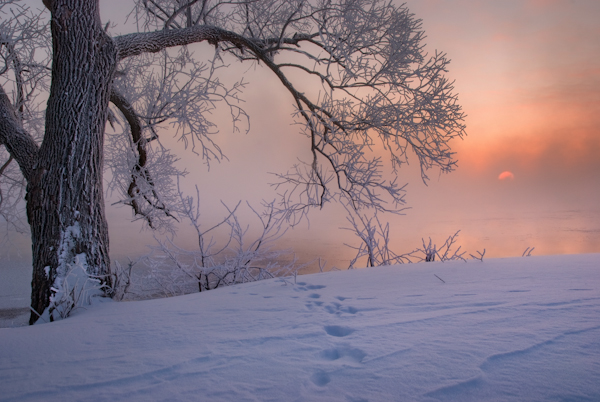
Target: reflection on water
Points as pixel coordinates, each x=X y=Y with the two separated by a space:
x=565 y=232
x=561 y=232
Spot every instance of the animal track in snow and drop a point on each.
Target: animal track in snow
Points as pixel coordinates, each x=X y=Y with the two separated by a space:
x=341 y=352
x=303 y=286
x=335 y=354
x=338 y=331
x=330 y=308
x=337 y=308
x=320 y=378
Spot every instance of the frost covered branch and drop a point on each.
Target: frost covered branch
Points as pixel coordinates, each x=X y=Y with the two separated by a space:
x=377 y=87
x=24 y=72
x=73 y=290
x=375 y=245
x=479 y=255
x=444 y=252
x=367 y=98
x=375 y=241
x=142 y=186
x=355 y=70
x=224 y=255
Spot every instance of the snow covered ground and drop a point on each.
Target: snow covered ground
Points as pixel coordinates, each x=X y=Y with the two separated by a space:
x=516 y=329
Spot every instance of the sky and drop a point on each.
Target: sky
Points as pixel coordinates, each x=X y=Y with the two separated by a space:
x=528 y=74
x=528 y=77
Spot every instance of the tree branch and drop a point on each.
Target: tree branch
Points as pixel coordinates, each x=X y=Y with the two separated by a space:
x=152 y=42
x=376 y=83
x=20 y=145
x=139 y=171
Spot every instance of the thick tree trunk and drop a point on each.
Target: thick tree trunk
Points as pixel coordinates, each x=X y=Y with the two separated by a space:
x=65 y=203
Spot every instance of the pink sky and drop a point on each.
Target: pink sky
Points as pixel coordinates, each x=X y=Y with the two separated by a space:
x=528 y=78
x=528 y=74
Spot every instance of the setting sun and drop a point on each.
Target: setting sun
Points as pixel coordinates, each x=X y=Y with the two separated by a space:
x=506 y=175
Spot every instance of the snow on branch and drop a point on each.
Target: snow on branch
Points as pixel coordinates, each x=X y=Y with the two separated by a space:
x=376 y=245
x=141 y=187
x=24 y=72
x=368 y=98
x=166 y=90
x=443 y=253
x=374 y=241
x=227 y=252
x=378 y=87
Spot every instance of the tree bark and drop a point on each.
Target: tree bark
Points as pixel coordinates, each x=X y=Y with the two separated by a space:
x=20 y=145
x=65 y=202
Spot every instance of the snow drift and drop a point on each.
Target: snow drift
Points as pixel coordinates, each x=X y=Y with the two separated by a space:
x=516 y=329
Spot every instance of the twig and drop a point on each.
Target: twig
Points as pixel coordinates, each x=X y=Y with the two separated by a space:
x=480 y=258
x=527 y=252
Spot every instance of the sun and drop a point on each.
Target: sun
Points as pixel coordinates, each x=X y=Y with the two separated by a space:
x=506 y=175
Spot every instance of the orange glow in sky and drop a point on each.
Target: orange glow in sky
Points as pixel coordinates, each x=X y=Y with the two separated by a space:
x=506 y=175
x=528 y=77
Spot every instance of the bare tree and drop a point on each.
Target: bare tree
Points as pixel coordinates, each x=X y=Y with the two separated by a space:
x=444 y=252
x=24 y=62
x=221 y=259
x=374 y=241
x=376 y=246
x=375 y=85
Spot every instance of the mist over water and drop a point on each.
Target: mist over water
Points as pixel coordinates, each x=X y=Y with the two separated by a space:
x=549 y=233
x=554 y=232
x=528 y=111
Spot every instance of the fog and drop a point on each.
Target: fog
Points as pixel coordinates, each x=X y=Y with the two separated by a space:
x=527 y=74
